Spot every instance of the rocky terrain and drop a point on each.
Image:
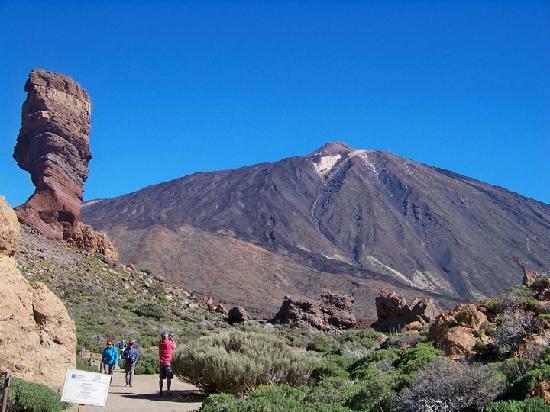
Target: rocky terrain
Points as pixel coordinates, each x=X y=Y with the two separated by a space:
x=37 y=336
x=341 y=219
x=53 y=146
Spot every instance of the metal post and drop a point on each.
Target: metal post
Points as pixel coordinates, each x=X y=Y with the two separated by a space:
x=5 y=392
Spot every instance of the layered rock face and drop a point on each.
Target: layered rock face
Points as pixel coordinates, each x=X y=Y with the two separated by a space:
x=53 y=146
x=332 y=311
x=394 y=313
x=37 y=336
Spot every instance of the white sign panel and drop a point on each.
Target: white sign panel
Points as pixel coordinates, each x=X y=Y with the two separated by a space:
x=86 y=388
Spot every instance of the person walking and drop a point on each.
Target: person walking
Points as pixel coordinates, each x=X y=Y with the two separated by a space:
x=109 y=359
x=166 y=351
x=130 y=357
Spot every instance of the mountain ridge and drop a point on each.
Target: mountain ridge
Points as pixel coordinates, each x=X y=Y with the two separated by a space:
x=363 y=213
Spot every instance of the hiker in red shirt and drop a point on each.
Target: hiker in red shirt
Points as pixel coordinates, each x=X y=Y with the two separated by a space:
x=166 y=350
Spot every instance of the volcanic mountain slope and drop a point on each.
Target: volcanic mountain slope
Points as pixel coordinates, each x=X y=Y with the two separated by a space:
x=359 y=215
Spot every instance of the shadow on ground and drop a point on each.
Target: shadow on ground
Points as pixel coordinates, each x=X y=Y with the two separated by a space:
x=185 y=396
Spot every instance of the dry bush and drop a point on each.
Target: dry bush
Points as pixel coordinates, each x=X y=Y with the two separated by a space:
x=445 y=385
x=513 y=327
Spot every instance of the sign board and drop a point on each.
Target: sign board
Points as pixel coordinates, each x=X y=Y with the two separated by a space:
x=86 y=388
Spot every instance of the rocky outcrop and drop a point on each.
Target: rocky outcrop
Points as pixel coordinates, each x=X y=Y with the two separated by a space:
x=457 y=332
x=86 y=238
x=37 y=336
x=237 y=315
x=394 y=313
x=53 y=146
x=332 y=311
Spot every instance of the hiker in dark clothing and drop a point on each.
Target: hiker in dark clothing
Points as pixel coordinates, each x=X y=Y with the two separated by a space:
x=130 y=356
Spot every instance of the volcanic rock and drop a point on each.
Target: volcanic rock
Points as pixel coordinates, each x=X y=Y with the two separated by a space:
x=86 y=238
x=236 y=315
x=394 y=313
x=332 y=311
x=37 y=336
x=53 y=147
x=456 y=332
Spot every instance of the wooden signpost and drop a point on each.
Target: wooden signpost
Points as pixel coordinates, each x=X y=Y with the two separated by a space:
x=5 y=391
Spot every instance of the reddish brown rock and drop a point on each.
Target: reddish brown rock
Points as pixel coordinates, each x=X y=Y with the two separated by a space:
x=86 y=238
x=53 y=147
x=332 y=311
x=394 y=313
x=221 y=309
x=542 y=390
x=457 y=332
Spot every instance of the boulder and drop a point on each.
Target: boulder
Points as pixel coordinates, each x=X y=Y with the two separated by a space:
x=333 y=311
x=37 y=336
x=237 y=315
x=394 y=313
x=221 y=309
x=456 y=332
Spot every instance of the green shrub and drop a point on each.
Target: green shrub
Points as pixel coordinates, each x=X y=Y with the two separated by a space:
x=375 y=391
x=415 y=359
x=332 y=366
x=32 y=397
x=529 y=405
x=148 y=363
x=235 y=361
x=322 y=343
x=85 y=365
x=540 y=371
x=150 y=310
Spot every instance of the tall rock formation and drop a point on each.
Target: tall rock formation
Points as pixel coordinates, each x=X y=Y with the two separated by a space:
x=53 y=146
x=37 y=336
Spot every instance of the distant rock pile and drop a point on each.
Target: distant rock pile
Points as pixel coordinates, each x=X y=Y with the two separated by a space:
x=394 y=313
x=511 y=323
x=53 y=146
x=37 y=336
x=332 y=311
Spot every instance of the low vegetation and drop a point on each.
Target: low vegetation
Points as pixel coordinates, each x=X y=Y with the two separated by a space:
x=237 y=361
x=32 y=397
x=114 y=303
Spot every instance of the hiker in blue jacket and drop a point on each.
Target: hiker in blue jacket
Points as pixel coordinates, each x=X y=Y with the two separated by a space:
x=130 y=356
x=109 y=359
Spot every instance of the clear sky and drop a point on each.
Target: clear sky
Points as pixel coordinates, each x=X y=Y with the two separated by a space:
x=185 y=86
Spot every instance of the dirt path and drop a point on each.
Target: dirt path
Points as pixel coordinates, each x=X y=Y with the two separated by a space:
x=144 y=396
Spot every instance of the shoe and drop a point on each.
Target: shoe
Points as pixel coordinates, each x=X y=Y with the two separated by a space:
x=161 y=393
x=131 y=386
x=126 y=385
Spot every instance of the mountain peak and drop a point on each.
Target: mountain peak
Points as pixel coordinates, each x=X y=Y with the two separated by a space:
x=332 y=148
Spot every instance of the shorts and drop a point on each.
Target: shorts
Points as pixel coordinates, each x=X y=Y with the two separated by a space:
x=166 y=372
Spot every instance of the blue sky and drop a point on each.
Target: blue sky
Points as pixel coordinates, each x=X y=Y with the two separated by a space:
x=179 y=87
